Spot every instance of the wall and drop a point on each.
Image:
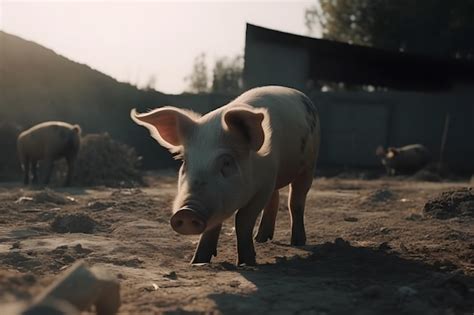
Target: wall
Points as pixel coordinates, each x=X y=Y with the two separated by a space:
x=355 y=123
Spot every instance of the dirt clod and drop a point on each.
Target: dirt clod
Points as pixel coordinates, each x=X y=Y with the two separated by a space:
x=172 y=275
x=351 y=219
x=449 y=204
x=73 y=223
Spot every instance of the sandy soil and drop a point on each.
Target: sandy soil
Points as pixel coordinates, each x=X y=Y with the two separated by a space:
x=371 y=250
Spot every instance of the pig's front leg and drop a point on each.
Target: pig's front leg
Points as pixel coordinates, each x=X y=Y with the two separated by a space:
x=267 y=223
x=244 y=224
x=207 y=246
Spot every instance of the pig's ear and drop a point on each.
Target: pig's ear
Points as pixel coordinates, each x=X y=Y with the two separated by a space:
x=249 y=124
x=168 y=125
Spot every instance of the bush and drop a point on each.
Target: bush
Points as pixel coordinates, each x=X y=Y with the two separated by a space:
x=105 y=161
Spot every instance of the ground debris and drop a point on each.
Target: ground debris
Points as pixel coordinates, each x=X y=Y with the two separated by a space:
x=77 y=290
x=73 y=223
x=379 y=196
x=351 y=219
x=100 y=205
x=449 y=204
x=172 y=275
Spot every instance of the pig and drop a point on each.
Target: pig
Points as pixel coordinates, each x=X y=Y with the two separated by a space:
x=234 y=160
x=404 y=160
x=48 y=141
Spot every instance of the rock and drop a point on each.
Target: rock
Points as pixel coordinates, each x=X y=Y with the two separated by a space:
x=172 y=275
x=81 y=288
x=73 y=223
x=384 y=230
x=151 y=287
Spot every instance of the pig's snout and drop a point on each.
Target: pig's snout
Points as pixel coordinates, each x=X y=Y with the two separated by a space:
x=187 y=221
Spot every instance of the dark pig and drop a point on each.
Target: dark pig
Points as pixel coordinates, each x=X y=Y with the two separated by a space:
x=404 y=160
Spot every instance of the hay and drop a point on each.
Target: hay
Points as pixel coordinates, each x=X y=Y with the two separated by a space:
x=103 y=161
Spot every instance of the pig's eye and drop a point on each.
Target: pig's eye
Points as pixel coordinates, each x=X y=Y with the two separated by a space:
x=227 y=165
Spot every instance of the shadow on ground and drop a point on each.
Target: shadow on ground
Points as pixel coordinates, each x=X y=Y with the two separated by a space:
x=338 y=278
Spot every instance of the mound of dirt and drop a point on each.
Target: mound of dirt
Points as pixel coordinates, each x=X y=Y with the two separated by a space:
x=73 y=223
x=449 y=204
x=105 y=161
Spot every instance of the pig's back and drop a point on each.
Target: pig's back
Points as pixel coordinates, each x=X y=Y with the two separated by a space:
x=45 y=137
x=295 y=127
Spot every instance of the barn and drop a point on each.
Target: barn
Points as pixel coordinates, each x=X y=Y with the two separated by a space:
x=389 y=98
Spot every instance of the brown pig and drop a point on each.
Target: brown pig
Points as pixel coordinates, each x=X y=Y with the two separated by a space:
x=235 y=159
x=48 y=141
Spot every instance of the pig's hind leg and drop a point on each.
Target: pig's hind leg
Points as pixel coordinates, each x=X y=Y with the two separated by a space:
x=296 y=203
x=267 y=222
x=48 y=170
x=34 y=171
x=207 y=246
x=26 y=170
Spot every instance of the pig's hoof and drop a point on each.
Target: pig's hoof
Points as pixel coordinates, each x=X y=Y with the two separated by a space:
x=246 y=264
x=248 y=261
x=200 y=260
x=262 y=238
x=298 y=241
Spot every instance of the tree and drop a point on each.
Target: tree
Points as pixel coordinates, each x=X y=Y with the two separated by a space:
x=434 y=27
x=198 y=80
x=227 y=75
x=151 y=84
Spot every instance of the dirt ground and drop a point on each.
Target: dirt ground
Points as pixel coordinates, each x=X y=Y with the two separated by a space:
x=371 y=250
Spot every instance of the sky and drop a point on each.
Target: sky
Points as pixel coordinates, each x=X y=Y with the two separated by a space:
x=134 y=41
